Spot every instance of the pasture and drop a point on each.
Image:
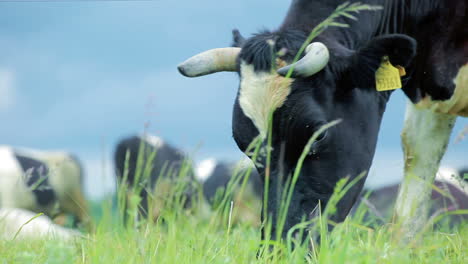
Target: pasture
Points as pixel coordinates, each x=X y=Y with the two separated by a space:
x=177 y=228
x=199 y=235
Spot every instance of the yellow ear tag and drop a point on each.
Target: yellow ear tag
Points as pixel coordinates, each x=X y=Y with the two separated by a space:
x=387 y=76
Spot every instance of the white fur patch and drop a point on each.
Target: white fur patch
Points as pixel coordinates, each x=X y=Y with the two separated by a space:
x=458 y=103
x=8 y=161
x=13 y=190
x=205 y=168
x=12 y=219
x=260 y=94
x=152 y=140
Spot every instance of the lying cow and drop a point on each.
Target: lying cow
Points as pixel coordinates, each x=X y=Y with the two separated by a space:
x=42 y=181
x=347 y=74
x=22 y=224
x=164 y=165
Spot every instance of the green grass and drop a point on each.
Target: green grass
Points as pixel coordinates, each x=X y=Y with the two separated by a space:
x=181 y=236
x=221 y=234
x=196 y=234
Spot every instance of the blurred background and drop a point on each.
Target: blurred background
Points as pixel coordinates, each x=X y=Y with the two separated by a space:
x=80 y=75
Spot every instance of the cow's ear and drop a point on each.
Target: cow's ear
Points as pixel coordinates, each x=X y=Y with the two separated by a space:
x=363 y=64
x=237 y=39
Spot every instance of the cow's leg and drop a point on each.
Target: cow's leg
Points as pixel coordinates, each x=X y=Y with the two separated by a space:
x=424 y=138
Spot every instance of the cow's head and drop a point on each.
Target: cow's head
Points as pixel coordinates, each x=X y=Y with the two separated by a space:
x=331 y=81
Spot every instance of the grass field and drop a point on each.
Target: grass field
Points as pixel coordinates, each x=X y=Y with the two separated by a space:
x=186 y=238
x=200 y=235
x=229 y=231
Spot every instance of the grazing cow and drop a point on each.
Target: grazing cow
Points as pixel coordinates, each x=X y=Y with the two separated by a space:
x=450 y=193
x=18 y=223
x=348 y=74
x=215 y=176
x=42 y=181
x=160 y=158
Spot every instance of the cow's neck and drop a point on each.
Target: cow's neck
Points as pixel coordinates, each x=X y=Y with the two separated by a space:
x=397 y=16
x=403 y=16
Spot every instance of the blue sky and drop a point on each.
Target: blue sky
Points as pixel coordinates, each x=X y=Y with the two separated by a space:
x=78 y=76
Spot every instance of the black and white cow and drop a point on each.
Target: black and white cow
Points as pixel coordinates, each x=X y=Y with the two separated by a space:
x=43 y=181
x=215 y=176
x=167 y=161
x=338 y=78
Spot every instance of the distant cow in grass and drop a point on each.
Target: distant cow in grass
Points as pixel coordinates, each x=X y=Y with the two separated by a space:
x=143 y=161
x=449 y=193
x=42 y=181
x=217 y=177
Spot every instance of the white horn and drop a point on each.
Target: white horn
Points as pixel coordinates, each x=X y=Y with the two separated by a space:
x=316 y=59
x=210 y=61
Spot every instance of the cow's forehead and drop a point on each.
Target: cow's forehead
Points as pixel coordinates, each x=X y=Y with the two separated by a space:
x=260 y=93
x=263 y=50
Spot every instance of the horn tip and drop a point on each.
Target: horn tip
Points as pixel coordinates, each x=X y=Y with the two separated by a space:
x=283 y=71
x=183 y=70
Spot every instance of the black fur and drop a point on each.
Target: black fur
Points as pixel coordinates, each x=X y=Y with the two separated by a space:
x=167 y=162
x=263 y=47
x=36 y=176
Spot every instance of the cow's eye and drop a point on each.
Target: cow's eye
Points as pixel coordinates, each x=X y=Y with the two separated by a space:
x=317 y=146
x=321 y=137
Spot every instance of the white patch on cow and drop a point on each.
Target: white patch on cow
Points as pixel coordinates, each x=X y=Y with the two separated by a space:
x=13 y=189
x=452 y=177
x=425 y=136
x=205 y=168
x=458 y=103
x=261 y=93
x=152 y=140
x=12 y=219
x=65 y=178
x=8 y=161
